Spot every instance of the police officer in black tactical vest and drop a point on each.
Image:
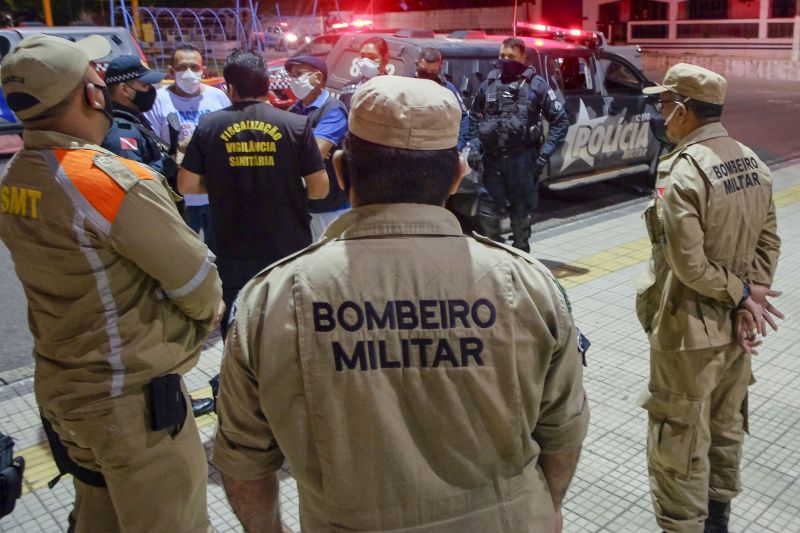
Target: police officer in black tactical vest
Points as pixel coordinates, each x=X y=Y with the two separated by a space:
x=133 y=92
x=507 y=140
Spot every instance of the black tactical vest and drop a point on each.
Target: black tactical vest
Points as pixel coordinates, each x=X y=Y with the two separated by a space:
x=509 y=122
x=336 y=198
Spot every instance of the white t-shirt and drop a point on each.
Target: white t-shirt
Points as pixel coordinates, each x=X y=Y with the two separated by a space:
x=189 y=111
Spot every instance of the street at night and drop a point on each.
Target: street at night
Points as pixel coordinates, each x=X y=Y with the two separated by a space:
x=348 y=358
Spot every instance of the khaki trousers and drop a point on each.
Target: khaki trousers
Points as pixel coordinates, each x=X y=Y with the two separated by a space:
x=697 y=419
x=155 y=482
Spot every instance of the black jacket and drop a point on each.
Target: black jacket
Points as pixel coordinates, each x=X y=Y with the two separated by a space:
x=131 y=136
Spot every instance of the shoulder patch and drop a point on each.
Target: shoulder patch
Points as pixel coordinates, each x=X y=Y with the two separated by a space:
x=564 y=294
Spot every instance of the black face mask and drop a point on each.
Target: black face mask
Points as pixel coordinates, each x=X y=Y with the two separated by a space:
x=108 y=110
x=510 y=69
x=144 y=100
x=659 y=128
x=425 y=75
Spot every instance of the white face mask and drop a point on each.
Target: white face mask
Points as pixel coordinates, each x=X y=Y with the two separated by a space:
x=188 y=81
x=669 y=119
x=301 y=86
x=368 y=67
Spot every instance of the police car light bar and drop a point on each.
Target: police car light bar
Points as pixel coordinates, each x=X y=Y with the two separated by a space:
x=574 y=35
x=358 y=23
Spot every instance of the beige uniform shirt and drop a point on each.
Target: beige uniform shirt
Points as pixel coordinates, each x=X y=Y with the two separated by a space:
x=410 y=375
x=713 y=227
x=119 y=289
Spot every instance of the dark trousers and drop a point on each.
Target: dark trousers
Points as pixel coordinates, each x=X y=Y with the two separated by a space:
x=235 y=273
x=512 y=188
x=198 y=217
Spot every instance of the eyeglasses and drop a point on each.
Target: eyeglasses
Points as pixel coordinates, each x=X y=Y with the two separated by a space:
x=659 y=105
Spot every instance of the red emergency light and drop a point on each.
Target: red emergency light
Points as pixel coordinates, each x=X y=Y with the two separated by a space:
x=284 y=24
x=573 y=35
x=356 y=24
x=535 y=27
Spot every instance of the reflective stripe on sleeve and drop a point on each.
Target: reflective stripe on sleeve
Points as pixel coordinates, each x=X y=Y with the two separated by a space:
x=197 y=279
x=84 y=211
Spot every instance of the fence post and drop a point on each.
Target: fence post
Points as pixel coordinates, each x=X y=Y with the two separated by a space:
x=672 y=31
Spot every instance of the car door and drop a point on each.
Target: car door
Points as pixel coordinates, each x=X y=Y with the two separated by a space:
x=622 y=85
x=8 y=122
x=573 y=77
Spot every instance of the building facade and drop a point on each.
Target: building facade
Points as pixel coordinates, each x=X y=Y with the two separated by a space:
x=751 y=27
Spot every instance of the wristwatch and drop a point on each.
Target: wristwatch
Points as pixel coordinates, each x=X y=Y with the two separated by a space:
x=745 y=293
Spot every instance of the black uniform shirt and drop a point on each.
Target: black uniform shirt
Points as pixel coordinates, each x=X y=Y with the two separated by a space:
x=252 y=157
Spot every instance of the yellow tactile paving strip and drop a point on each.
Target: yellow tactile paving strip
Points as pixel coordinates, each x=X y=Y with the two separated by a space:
x=39 y=465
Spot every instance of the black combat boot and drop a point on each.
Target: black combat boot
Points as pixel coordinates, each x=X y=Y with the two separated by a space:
x=201 y=406
x=718 y=515
x=521 y=232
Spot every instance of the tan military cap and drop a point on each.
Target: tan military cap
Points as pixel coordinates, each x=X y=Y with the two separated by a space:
x=43 y=70
x=408 y=113
x=693 y=82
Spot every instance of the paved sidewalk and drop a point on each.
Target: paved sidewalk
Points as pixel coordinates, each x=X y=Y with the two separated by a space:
x=596 y=260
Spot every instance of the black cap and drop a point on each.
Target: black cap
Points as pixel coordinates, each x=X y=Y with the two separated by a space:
x=127 y=68
x=312 y=61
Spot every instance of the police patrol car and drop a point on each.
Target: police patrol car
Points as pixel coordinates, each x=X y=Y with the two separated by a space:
x=609 y=134
x=121 y=44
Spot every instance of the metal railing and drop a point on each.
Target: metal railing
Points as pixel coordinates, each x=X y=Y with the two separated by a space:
x=215 y=31
x=725 y=30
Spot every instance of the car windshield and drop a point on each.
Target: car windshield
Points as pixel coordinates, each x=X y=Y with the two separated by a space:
x=320 y=46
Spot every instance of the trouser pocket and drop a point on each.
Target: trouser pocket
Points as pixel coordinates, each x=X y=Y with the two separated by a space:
x=672 y=431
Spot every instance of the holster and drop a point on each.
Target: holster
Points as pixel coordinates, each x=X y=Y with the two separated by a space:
x=11 y=470
x=167 y=403
x=65 y=463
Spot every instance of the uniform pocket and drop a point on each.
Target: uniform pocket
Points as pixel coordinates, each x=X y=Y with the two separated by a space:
x=653 y=224
x=646 y=298
x=672 y=431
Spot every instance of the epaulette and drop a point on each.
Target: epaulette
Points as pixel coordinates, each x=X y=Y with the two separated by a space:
x=280 y=262
x=529 y=259
x=125 y=175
